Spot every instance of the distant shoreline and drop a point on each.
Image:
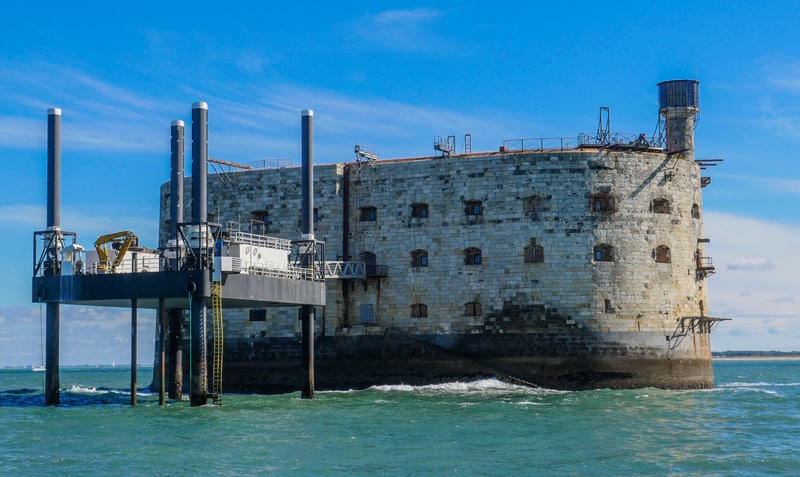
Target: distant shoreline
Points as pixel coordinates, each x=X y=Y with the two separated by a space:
x=756 y=358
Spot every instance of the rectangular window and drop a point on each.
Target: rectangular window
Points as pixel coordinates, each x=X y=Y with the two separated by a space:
x=258 y=314
x=474 y=207
x=419 y=211
x=604 y=203
x=369 y=214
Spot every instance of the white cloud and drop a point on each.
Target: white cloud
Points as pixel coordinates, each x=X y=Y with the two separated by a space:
x=751 y=264
x=89 y=335
x=410 y=30
x=756 y=282
x=78 y=220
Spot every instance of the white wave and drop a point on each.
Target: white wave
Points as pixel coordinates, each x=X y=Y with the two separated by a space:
x=481 y=386
x=759 y=384
x=79 y=389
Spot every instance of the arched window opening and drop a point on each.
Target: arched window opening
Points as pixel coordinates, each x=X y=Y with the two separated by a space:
x=695 y=211
x=472 y=256
x=663 y=254
x=419 y=310
x=419 y=258
x=604 y=253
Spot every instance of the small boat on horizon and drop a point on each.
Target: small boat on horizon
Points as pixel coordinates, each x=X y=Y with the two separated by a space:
x=38 y=368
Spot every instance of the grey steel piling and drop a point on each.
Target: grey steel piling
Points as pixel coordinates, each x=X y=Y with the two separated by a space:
x=52 y=381
x=307 y=211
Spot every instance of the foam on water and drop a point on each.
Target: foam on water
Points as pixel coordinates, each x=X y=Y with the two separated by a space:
x=479 y=387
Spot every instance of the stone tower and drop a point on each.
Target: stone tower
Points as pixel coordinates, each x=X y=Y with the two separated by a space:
x=678 y=102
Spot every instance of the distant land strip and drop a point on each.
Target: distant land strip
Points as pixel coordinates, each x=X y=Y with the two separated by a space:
x=755 y=354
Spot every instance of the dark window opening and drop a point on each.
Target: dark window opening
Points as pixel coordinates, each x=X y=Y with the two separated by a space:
x=609 y=308
x=604 y=253
x=604 y=203
x=369 y=214
x=472 y=308
x=419 y=310
x=258 y=314
x=663 y=254
x=661 y=206
x=316 y=214
x=473 y=207
x=419 y=211
x=534 y=254
x=419 y=258
x=533 y=204
x=472 y=256
x=695 y=211
x=259 y=219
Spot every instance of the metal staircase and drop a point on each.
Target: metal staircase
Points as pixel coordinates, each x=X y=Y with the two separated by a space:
x=216 y=367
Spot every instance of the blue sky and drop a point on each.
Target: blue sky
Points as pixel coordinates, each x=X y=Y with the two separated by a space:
x=390 y=75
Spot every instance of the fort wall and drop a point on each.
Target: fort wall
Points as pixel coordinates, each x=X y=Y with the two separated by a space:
x=580 y=253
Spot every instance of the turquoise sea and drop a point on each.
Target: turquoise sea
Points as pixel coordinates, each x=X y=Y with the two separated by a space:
x=749 y=424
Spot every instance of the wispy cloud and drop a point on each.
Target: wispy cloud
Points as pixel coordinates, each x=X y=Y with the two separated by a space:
x=248 y=121
x=751 y=264
x=97 y=115
x=88 y=224
x=22 y=335
x=782 y=80
x=410 y=30
x=755 y=284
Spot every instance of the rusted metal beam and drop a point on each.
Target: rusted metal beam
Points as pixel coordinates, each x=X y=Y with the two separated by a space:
x=229 y=164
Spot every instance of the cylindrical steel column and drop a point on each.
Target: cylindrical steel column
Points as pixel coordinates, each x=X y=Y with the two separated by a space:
x=53 y=334
x=307 y=211
x=176 y=354
x=53 y=168
x=198 y=388
x=134 y=346
x=199 y=162
x=198 y=391
x=307 y=184
x=161 y=324
x=176 y=180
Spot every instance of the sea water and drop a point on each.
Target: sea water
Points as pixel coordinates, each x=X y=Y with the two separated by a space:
x=748 y=424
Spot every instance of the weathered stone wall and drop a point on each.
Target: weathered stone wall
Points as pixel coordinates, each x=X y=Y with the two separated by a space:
x=539 y=199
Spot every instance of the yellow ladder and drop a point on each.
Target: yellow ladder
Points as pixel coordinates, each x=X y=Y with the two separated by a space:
x=216 y=367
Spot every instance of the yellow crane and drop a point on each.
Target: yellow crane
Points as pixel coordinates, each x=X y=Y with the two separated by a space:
x=120 y=241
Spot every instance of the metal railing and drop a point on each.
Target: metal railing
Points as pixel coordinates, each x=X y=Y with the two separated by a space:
x=345 y=270
x=539 y=144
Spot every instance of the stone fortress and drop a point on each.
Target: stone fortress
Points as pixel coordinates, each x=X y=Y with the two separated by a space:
x=578 y=266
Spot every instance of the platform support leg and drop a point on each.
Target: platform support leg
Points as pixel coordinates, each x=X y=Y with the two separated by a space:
x=176 y=354
x=307 y=318
x=162 y=352
x=52 y=391
x=198 y=392
x=134 y=347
